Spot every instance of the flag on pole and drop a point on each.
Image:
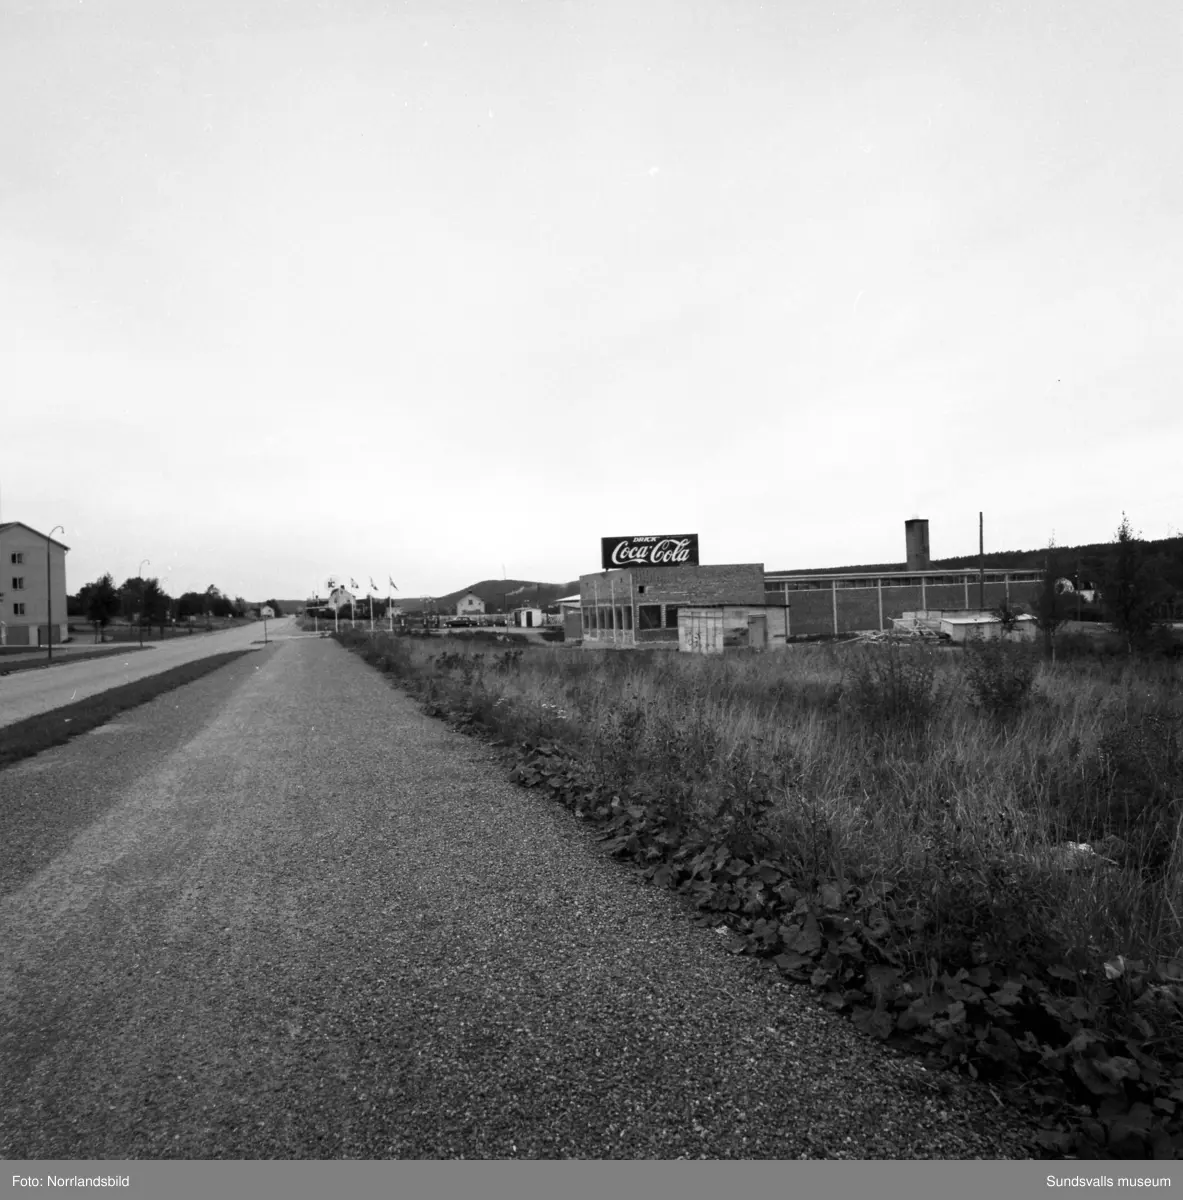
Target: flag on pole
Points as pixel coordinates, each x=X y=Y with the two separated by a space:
x=373 y=585
x=392 y=583
x=352 y=582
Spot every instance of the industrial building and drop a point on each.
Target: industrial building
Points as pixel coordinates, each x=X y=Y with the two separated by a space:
x=708 y=608
x=856 y=603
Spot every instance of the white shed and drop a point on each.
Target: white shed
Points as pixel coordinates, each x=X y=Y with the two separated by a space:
x=527 y=617
x=971 y=628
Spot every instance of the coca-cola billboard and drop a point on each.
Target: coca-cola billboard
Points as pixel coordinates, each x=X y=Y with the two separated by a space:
x=650 y=550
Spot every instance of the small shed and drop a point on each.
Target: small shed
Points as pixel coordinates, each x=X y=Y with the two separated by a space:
x=716 y=628
x=527 y=618
x=571 y=614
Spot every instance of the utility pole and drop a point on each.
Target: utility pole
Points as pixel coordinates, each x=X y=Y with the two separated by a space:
x=981 y=566
x=140 y=614
x=49 y=594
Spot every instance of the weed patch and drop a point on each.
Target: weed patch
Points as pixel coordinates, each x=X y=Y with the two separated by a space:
x=999 y=676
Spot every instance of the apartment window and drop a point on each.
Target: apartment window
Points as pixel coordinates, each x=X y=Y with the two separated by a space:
x=671 y=616
x=18 y=558
x=18 y=610
x=18 y=583
x=649 y=616
x=628 y=616
x=641 y=590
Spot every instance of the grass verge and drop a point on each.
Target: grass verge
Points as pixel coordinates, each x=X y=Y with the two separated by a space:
x=31 y=736
x=978 y=857
x=63 y=659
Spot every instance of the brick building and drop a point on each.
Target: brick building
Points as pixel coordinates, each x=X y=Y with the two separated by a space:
x=638 y=606
x=739 y=604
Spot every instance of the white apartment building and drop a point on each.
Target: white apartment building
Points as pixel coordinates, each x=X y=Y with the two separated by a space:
x=25 y=589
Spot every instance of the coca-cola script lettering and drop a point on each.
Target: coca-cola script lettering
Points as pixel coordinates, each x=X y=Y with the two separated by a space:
x=652 y=550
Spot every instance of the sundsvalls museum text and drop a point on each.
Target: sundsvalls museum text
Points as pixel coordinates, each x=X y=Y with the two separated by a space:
x=1106 y=1181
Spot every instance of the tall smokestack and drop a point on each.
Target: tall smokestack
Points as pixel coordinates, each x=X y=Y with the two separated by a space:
x=916 y=538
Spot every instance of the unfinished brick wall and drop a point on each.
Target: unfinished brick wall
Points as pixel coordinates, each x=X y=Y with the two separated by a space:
x=736 y=583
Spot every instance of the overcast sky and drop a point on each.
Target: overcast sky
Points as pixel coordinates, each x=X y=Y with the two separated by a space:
x=435 y=290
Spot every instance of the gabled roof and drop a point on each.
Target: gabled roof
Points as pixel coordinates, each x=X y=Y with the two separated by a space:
x=21 y=525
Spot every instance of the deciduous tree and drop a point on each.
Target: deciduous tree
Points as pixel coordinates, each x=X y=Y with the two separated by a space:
x=102 y=603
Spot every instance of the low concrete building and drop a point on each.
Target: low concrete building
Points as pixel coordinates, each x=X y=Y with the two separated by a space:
x=825 y=602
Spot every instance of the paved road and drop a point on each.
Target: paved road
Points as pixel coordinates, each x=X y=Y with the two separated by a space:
x=279 y=913
x=27 y=693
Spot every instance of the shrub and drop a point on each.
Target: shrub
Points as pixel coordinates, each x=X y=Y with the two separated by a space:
x=891 y=688
x=1000 y=676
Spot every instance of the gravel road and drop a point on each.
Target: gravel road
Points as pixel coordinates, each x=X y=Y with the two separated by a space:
x=279 y=913
x=27 y=693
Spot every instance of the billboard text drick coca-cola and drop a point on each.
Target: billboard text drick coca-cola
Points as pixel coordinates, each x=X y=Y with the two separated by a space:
x=650 y=551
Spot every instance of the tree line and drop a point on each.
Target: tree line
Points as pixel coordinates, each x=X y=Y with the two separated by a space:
x=144 y=601
x=1138 y=589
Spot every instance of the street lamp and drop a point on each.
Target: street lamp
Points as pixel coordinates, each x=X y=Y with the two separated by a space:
x=49 y=594
x=140 y=614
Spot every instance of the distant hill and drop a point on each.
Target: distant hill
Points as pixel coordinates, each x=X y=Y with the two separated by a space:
x=499 y=595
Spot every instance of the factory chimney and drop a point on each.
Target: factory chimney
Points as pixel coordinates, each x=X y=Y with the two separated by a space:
x=916 y=538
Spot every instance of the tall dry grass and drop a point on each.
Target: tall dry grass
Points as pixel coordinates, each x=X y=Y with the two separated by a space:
x=897 y=764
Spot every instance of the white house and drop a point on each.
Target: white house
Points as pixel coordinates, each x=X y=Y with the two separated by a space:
x=469 y=605
x=340 y=598
x=29 y=600
x=266 y=611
